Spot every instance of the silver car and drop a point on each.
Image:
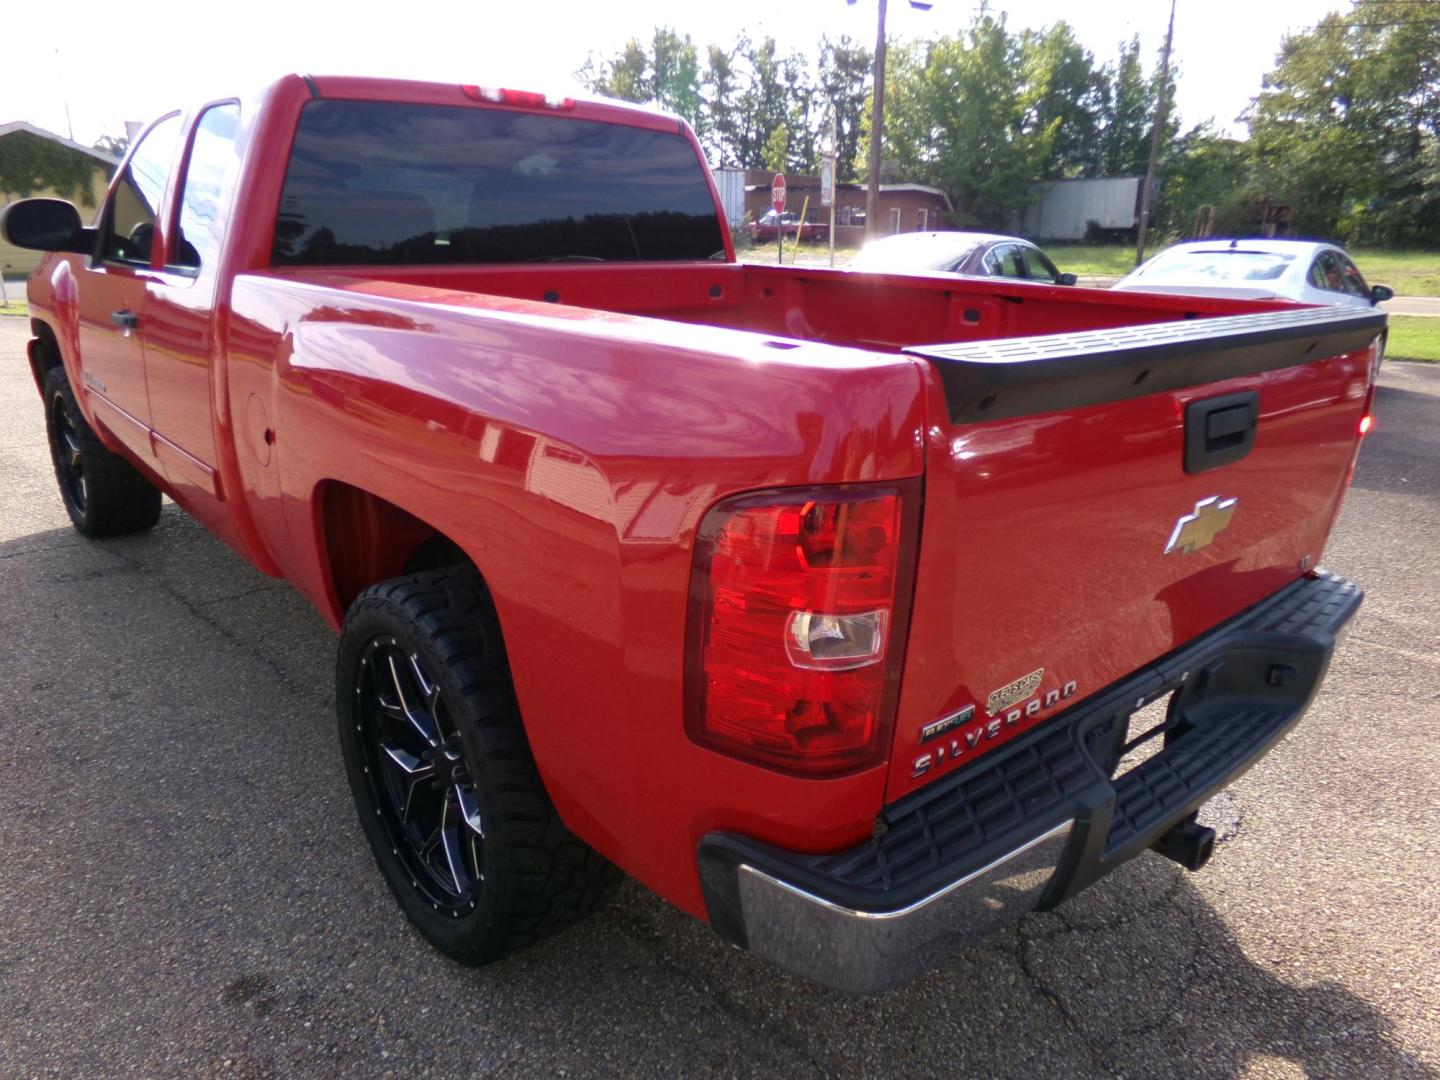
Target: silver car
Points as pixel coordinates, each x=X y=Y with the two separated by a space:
x=1299 y=270
x=975 y=254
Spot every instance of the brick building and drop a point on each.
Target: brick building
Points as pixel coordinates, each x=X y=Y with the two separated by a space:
x=903 y=207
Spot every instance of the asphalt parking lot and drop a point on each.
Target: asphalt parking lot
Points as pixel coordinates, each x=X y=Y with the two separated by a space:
x=184 y=889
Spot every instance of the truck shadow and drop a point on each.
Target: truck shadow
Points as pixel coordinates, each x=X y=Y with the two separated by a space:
x=224 y=719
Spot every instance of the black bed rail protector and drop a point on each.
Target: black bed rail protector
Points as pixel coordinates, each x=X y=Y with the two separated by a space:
x=1004 y=377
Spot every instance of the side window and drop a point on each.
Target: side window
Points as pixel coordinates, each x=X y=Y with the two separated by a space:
x=992 y=262
x=1050 y=271
x=1037 y=266
x=208 y=179
x=130 y=217
x=1009 y=256
x=1332 y=276
x=1354 y=280
x=1317 y=274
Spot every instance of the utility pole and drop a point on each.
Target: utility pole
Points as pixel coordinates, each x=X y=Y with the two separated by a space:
x=877 y=133
x=877 y=117
x=1162 y=111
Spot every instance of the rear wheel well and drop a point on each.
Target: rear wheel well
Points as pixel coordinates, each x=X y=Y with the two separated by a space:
x=367 y=540
x=45 y=354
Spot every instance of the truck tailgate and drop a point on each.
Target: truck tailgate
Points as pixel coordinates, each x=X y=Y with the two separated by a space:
x=1095 y=500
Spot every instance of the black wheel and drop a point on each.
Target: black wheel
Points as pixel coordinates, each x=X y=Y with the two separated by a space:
x=443 y=777
x=103 y=493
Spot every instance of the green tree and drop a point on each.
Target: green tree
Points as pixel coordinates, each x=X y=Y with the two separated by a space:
x=956 y=115
x=776 y=155
x=1062 y=89
x=763 y=103
x=624 y=76
x=720 y=118
x=804 y=115
x=843 y=84
x=1125 y=115
x=1206 y=169
x=674 y=82
x=667 y=74
x=1346 y=126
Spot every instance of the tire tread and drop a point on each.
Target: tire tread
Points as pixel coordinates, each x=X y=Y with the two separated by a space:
x=556 y=878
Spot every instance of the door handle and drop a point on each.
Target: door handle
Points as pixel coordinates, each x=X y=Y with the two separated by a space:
x=126 y=319
x=1220 y=430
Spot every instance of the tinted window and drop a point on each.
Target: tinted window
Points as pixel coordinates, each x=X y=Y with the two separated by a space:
x=208 y=177
x=391 y=184
x=1332 y=276
x=1008 y=256
x=130 y=216
x=1354 y=280
x=1037 y=266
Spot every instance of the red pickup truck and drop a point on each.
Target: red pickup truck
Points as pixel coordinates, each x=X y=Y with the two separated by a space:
x=819 y=602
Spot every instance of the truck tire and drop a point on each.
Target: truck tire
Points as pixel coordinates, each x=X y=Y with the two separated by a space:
x=442 y=773
x=103 y=493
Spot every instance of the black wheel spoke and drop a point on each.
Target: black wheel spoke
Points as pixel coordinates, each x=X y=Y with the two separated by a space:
x=72 y=446
x=470 y=810
x=429 y=691
x=419 y=719
x=408 y=772
x=450 y=843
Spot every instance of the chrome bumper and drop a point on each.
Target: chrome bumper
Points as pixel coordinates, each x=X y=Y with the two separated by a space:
x=1034 y=821
x=870 y=951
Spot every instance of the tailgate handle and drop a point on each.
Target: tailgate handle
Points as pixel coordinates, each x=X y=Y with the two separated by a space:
x=1220 y=430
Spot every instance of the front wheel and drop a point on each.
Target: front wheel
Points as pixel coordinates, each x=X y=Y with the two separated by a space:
x=103 y=493
x=442 y=774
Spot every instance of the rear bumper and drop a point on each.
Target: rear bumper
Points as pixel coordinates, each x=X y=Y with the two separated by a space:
x=1036 y=820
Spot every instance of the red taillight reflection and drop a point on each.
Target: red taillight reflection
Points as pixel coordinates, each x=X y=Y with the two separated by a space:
x=1366 y=423
x=793 y=660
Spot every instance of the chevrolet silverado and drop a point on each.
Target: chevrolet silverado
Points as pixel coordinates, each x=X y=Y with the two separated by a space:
x=822 y=603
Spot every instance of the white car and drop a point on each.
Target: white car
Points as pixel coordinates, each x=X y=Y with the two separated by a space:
x=1257 y=268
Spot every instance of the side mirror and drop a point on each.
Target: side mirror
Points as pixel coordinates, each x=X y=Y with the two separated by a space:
x=1066 y=279
x=45 y=225
x=1380 y=293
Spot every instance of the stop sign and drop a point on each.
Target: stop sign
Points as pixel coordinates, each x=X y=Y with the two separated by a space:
x=777 y=192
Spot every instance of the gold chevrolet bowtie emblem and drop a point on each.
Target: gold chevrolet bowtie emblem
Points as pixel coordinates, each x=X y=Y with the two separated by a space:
x=1196 y=530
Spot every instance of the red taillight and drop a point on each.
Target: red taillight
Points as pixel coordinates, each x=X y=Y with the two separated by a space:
x=500 y=95
x=1366 y=423
x=799 y=607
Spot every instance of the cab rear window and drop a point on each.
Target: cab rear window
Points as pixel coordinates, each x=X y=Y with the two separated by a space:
x=379 y=183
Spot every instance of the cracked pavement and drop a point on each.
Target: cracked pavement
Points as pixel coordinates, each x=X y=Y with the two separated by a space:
x=184 y=889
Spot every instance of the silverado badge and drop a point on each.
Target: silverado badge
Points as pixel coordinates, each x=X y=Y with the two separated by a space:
x=1197 y=529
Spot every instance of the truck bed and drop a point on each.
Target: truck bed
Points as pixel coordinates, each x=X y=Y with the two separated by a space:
x=1076 y=463
x=875 y=312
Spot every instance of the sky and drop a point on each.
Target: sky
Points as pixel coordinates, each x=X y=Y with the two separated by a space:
x=75 y=54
